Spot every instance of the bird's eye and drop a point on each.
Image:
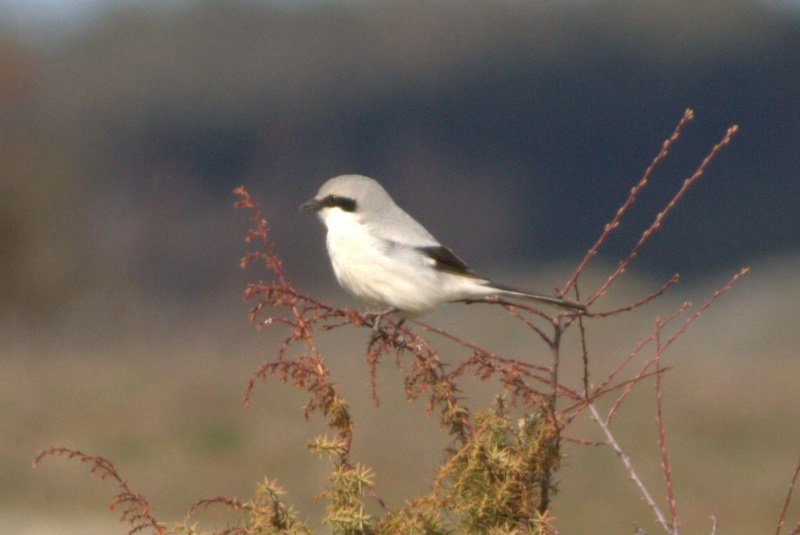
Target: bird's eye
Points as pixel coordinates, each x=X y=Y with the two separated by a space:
x=345 y=203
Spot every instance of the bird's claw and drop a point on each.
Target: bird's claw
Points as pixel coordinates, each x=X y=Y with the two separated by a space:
x=398 y=340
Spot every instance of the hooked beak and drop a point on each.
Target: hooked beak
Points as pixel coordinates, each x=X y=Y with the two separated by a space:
x=311 y=206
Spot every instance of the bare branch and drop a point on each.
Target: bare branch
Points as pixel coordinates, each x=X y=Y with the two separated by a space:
x=662 y=443
x=786 y=503
x=626 y=460
x=135 y=508
x=663 y=213
x=688 y=115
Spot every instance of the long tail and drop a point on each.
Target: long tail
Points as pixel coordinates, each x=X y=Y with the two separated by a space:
x=546 y=299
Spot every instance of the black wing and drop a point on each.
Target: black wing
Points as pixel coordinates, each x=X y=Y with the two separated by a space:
x=446 y=260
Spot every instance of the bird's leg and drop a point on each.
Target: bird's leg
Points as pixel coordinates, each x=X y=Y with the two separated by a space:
x=377 y=316
x=376 y=322
x=400 y=340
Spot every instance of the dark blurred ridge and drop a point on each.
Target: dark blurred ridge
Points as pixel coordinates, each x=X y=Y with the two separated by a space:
x=122 y=141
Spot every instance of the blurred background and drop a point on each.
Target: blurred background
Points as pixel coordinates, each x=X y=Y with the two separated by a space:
x=513 y=130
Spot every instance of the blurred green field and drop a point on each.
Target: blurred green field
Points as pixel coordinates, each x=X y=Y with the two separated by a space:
x=158 y=391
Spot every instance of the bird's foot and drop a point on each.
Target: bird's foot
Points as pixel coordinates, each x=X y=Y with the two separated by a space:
x=399 y=337
x=398 y=340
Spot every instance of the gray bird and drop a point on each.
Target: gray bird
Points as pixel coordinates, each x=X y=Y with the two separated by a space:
x=390 y=262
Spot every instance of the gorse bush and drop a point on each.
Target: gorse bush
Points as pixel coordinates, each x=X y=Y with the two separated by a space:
x=498 y=472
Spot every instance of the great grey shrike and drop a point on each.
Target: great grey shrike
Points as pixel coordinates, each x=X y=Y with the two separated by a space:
x=389 y=261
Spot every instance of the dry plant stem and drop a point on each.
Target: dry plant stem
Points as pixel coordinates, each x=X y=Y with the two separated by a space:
x=662 y=444
x=552 y=407
x=670 y=528
x=658 y=293
x=626 y=460
x=511 y=373
x=662 y=214
x=782 y=517
x=643 y=371
x=555 y=351
x=475 y=348
x=584 y=349
x=741 y=273
x=571 y=412
x=232 y=504
x=308 y=370
x=656 y=333
x=585 y=357
x=513 y=308
x=688 y=115
x=135 y=508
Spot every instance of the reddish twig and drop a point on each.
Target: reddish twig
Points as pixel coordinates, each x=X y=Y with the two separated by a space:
x=308 y=370
x=787 y=501
x=663 y=213
x=231 y=503
x=655 y=360
x=662 y=443
x=642 y=372
x=135 y=508
x=567 y=414
x=741 y=273
x=650 y=298
x=669 y=340
x=510 y=372
x=688 y=115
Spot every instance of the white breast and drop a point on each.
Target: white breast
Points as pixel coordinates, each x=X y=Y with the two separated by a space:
x=386 y=274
